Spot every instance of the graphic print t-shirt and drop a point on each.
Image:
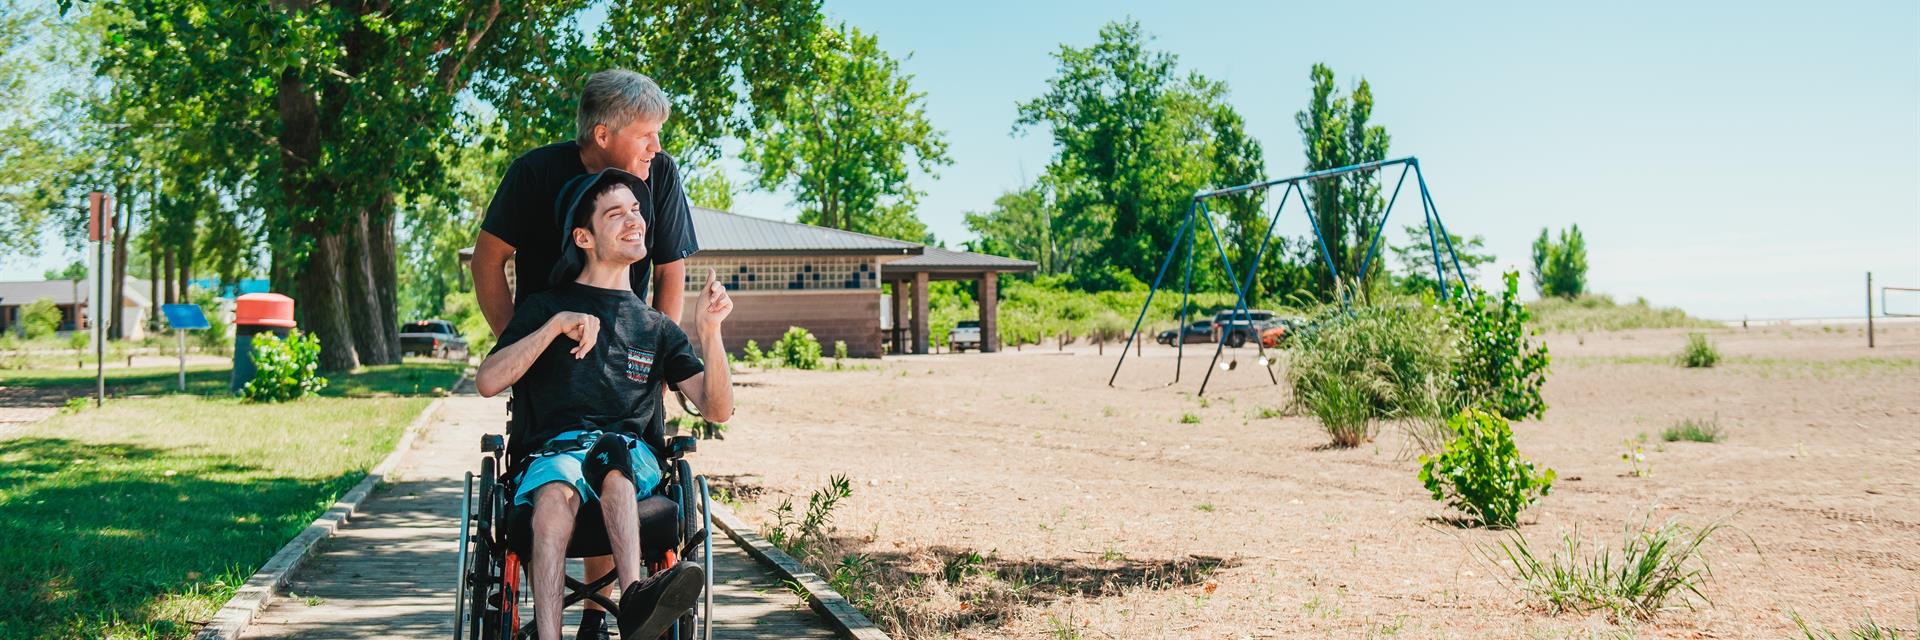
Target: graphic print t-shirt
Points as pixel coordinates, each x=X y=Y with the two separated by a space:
x=616 y=387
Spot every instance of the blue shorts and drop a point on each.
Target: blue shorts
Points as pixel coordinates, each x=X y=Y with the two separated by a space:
x=567 y=467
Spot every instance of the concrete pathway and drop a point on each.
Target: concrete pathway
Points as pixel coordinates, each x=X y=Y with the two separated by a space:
x=390 y=572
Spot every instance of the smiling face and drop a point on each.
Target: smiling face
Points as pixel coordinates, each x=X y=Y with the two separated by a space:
x=617 y=233
x=631 y=147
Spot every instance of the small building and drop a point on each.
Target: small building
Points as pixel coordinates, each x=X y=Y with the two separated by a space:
x=71 y=297
x=828 y=281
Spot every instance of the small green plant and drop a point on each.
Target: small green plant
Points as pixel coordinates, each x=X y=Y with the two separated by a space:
x=74 y=405
x=752 y=355
x=959 y=567
x=1635 y=456
x=1204 y=507
x=800 y=537
x=1189 y=418
x=699 y=428
x=1865 y=629
x=851 y=575
x=801 y=596
x=1267 y=413
x=39 y=319
x=1499 y=368
x=1654 y=569
x=797 y=349
x=1481 y=472
x=1699 y=353
x=839 y=352
x=284 y=369
x=1695 y=430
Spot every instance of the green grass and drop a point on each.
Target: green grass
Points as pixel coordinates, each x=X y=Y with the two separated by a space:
x=1695 y=430
x=139 y=519
x=1188 y=418
x=1601 y=313
x=1865 y=629
x=417 y=376
x=1699 y=352
x=1655 y=569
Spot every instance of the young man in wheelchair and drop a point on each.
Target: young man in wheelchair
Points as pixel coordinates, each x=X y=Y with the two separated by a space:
x=594 y=356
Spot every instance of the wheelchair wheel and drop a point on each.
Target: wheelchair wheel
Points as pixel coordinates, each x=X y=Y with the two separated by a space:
x=692 y=516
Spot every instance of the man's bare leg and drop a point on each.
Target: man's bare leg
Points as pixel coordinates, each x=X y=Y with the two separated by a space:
x=554 y=506
x=622 y=516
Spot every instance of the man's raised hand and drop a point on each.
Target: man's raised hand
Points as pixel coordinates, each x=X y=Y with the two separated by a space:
x=716 y=304
x=582 y=328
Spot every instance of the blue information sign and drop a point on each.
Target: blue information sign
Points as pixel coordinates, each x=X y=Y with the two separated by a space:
x=184 y=316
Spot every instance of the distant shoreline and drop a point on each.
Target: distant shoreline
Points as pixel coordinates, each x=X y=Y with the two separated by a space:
x=1777 y=322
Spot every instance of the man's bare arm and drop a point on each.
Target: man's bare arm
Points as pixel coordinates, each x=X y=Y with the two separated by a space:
x=490 y=255
x=712 y=390
x=504 y=367
x=670 y=288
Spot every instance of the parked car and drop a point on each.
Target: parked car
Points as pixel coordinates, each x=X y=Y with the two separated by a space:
x=965 y=335
x=1240 y=327
x=1199 y=331
x=434 y=339
x=1279 y=330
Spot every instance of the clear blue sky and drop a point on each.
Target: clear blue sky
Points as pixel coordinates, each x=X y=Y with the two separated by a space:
x=1733 y=159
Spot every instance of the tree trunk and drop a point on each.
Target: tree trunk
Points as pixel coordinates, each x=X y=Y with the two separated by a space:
x=186 y=273
x=117 y=323
x=167 y=270
x=323 y=298
x=362 y=295
x=386 y=277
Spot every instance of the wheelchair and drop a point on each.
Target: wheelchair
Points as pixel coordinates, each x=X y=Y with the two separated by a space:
x=495 y=538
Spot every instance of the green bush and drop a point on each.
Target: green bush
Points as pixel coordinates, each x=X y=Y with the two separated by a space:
x=463 y=310
x=1481 y=472
x=214 y=337
x=797 y=349
x=1695 y=430
x=39 y=319
x=752 y=354
x=1655 y=566
x=1499 y=368
x=284 y=369
x=1699 y=353
x=1389 y=362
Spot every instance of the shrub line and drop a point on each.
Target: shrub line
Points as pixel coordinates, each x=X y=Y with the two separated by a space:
x=847 y=619
x=230 y=622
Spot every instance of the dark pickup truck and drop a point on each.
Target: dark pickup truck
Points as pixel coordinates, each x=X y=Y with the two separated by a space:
x=433 y=338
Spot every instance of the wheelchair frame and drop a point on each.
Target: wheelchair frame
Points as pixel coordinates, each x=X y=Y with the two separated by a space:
x=489 y=591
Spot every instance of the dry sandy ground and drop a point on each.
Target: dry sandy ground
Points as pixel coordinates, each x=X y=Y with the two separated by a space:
x=1029 y=458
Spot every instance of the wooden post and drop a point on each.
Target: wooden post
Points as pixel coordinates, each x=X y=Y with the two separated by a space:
x=1869 y=309
x=989 y=312
x=899 y=314
x=920 y=312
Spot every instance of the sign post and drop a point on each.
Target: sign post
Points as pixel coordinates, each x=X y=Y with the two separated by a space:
x=183 y=318
x=99 y=228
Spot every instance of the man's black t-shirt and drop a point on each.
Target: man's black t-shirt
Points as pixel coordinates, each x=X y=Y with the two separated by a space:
x=522 y=214
x=616 y=387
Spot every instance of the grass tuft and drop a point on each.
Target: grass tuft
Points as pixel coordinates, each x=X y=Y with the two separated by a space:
x=1699 y=352
x=1695 y=430
x=1654 y=570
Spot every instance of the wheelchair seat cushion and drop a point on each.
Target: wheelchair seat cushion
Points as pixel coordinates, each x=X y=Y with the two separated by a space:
x=659 y=529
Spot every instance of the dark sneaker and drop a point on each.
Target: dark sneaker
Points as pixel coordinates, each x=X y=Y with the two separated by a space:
x=594 y=629
x=649 y=606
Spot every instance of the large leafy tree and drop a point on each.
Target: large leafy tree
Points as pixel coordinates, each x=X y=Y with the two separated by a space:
x=1027 y=223
x=1336 y=130
x=847 y=144
x=324 y=116
x=1133 y=140
x=1416 y=260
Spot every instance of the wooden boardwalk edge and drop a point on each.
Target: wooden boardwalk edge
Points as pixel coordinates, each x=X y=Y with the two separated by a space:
x=845 y=618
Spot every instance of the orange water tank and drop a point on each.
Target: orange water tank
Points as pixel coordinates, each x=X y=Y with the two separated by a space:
x=263 y=310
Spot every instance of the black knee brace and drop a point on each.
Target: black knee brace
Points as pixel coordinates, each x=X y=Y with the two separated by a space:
x=609 y=454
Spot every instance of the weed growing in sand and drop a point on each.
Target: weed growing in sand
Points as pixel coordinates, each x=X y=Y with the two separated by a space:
x=956 y=569
x=1481 y=472
x=799 y=592
x=800 y=537
x=1655 y=569
x=1204 y=507
x=1062 y=629
x=1699 y=352
x=1635 y=455
x=1695 y=430
x=1267 y=413
x=1865 y=629
x=1189 y=418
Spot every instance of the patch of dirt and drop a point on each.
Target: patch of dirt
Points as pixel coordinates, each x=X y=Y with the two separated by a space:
x=1031 y=460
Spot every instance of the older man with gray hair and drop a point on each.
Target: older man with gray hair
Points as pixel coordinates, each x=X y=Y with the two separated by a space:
x=620 y=116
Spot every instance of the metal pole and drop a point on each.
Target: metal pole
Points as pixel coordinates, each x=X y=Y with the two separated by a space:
x=1307 y=203
x=1239 y=302
x=1131 y=337
x=183 y=359
x=98 y=331
x=1186 y=289
x=1366 y=266
x=1427 y=197
x=1869 y=309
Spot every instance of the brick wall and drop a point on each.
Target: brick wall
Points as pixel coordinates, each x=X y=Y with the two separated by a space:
x=763 y=316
